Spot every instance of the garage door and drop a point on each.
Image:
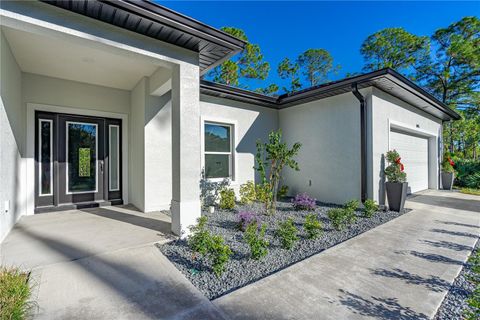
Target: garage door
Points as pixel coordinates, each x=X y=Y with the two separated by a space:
x=414 y=153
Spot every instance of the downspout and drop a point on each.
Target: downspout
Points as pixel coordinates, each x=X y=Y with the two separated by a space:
x=363 y=140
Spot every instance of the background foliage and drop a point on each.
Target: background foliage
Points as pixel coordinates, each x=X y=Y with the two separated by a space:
x=446 y=63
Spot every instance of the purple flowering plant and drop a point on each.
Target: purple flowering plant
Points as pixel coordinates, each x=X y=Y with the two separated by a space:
x=303 y=201
x=247 y=217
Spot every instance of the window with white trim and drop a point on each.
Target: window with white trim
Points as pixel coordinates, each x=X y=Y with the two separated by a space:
x=218 y=150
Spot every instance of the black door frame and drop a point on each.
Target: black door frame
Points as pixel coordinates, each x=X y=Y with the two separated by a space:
x=55 y=201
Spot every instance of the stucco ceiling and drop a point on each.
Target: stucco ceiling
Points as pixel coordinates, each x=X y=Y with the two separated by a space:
x=59 y=59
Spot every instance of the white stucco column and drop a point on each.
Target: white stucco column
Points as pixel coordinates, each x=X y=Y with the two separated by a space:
x=185 y=207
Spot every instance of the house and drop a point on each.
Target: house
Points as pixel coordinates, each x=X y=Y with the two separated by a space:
x=102 y=104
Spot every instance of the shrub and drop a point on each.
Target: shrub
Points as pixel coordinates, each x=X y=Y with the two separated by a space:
x=262 y=194
x=256 y=240
x=219 y=254
x=303 y=201
x=227 y=199
x=282 y=192
x=341 y=217
x=287 y=233
x=312 y=226
x=247 y=192
x=15 y=293
x=394 y=171
x=212 y=247
x=473 y=181
x=465 y=170
x=199 y=238
x=245 y=218
x=351 y=205
x=370 y=207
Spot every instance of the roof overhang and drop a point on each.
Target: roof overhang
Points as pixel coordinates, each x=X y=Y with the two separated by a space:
x=387 y=80
x=155 y=21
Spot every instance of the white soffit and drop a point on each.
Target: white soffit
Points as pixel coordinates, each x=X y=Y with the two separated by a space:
x=55 y=58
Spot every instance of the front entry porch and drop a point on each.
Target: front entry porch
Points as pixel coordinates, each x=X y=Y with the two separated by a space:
x=96 y=120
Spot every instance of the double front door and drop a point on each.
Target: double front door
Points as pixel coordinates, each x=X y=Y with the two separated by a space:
x=78 y=160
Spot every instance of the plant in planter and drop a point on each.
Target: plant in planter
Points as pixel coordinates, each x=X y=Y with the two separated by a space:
x=448 y=172
x=396 y=184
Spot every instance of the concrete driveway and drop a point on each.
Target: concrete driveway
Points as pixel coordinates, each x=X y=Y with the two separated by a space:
x=400 y=270
x=102 y=263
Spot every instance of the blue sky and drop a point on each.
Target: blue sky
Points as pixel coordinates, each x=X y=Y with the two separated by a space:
x=286 y=29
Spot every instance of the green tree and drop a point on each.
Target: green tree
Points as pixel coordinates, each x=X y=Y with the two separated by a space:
x=289 y=70
x=315 y=65
x=270 y=90
x=393 y=48
x=453 y=73
x=274 y=155
x=247 y=64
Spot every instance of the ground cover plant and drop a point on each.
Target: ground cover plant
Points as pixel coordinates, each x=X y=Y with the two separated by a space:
x=15 y=294
x=246 y=218
x=303 y=201
x=462 y=301
x=252 y=258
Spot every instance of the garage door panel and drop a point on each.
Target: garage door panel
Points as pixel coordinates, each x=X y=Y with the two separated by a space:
x=414 y=153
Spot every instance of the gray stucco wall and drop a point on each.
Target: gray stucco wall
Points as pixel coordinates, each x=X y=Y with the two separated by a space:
x=385 y=109
x=251 y=123
x=12 y=141
x=329 y=130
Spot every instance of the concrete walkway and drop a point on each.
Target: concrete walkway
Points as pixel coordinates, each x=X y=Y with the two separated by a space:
x=102 y=263
x=400 y=270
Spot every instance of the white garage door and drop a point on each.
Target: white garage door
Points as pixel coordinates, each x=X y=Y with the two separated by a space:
x=414 y=153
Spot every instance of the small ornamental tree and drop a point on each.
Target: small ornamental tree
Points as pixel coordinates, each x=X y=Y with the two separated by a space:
x=274 y=155
x=394 y=171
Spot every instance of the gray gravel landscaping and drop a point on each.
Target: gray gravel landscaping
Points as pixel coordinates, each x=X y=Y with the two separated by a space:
x=241 y=269
x=454 y=304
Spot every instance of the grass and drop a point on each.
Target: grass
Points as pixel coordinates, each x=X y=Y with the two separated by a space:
x=15 y=294
x=475 y=192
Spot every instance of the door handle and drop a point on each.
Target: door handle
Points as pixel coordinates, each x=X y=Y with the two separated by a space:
x=101 y=166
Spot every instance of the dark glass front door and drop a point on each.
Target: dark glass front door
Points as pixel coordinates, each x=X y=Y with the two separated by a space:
x=81 y=159
x=78 y=159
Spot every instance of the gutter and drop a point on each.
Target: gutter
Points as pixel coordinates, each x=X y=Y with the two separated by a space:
x=363 y=140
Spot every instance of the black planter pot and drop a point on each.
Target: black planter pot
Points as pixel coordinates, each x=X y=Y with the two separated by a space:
x=396 y=195
x=447 y=180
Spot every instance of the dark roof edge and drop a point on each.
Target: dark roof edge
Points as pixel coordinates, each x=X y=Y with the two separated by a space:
x=443 y=107
x=178 y=21
x=238 y=94
x=288 y=100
